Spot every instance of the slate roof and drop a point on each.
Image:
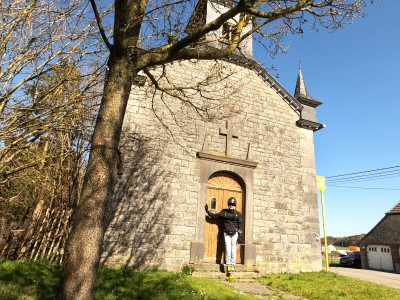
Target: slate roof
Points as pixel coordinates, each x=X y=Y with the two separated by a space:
x=301 y=92
x=395 y=209
x=393 y=235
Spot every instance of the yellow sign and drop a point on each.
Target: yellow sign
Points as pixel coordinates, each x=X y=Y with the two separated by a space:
x=321 y=186
x=321 y=183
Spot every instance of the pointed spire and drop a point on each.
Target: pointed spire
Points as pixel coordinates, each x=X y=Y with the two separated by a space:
x=301 y=89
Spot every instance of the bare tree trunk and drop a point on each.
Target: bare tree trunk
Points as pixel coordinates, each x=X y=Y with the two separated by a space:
x=82 y=252
x=83 y=247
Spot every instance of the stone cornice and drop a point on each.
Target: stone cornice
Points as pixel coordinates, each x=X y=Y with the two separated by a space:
x=227 y=160
x=310 y=125
x=309 y=101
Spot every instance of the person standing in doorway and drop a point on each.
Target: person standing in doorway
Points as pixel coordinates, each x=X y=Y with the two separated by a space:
x=232 y=225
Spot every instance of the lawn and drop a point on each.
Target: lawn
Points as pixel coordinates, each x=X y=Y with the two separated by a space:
x=326 y=286
x=34 y=281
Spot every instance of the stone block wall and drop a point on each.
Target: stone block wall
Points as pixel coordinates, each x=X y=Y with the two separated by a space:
x=158 y=204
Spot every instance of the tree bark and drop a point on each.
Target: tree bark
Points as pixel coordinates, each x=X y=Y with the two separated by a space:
x=83 y=248
x=82 y=252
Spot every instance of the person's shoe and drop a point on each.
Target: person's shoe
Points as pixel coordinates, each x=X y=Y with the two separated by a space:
x=229 y=267
x=232 y=267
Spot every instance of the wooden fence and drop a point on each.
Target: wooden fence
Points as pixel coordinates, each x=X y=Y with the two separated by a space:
x=41 y=238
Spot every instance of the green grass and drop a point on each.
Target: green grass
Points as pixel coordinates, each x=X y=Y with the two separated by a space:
x=326 y=286
x=35 y=281
x=27 y=280
x=131 y=284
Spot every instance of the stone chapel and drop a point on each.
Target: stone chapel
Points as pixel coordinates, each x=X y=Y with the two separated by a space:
x=217 y=128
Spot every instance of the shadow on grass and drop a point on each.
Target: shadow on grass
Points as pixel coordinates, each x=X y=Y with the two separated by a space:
x=28 y=278
x=130 y=284
x=40 y=281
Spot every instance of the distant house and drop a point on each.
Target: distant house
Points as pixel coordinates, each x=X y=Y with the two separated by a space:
x=380 y=248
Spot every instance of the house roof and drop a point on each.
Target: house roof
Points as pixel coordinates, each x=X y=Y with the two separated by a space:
x=394 y=211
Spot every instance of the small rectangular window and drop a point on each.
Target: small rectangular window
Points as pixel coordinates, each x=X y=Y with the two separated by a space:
x=228 y=31
x=213 y=203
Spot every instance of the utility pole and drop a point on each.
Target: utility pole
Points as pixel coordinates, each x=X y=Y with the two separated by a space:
x=322 y=186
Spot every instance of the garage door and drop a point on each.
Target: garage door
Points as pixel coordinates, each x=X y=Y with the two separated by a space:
x=380 y=257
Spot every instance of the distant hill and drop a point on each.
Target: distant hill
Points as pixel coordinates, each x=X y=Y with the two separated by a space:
x=353 y=240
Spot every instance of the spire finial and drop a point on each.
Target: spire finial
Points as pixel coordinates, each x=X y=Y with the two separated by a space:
x=299 y=64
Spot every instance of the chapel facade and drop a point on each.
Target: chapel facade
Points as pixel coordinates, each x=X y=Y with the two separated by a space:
x=230 y=129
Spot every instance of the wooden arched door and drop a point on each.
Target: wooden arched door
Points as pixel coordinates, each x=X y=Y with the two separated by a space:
x=220 y=187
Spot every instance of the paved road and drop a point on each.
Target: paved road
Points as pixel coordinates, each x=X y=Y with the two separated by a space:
x=388 y=279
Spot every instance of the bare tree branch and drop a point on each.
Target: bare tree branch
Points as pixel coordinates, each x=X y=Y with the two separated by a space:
x=100 y=25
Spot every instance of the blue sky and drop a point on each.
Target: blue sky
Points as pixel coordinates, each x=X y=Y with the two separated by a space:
x=355 y=72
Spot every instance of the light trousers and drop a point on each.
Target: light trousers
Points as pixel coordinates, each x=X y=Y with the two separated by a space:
x=230 y=248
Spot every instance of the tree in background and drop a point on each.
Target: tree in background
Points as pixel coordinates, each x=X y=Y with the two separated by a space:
x=47 y=173
x=51 y=64
x=160 y=26
x=347 y=241
x=36 y=36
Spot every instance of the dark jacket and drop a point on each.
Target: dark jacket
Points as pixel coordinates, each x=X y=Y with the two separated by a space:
x=232 y=220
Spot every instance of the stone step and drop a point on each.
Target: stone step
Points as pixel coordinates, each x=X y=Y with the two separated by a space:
x=222 y=268
x=209 y=274
x=248 y=275
x=212 y=270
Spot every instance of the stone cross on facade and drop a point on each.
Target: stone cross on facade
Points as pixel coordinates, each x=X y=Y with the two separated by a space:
x=230 y=133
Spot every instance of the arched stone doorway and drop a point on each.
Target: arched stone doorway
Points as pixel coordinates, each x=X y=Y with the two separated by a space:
x=220 y=187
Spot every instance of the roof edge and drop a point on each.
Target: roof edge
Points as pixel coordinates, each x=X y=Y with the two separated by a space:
x=266 y=77
x=372 y=230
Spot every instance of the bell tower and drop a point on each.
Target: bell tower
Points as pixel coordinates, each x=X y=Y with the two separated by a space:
x=208 y=10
